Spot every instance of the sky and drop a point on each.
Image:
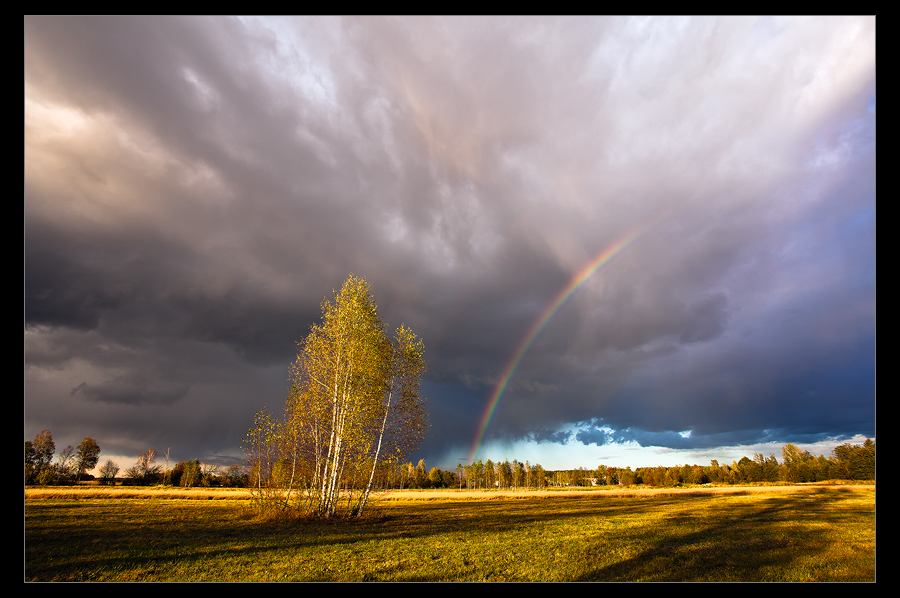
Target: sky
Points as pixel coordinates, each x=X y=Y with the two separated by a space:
x=623 y=241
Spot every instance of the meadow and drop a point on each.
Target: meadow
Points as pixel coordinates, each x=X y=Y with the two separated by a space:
x=798 y=533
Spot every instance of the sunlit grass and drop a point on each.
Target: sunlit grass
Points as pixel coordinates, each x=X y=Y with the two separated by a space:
x=815 y=534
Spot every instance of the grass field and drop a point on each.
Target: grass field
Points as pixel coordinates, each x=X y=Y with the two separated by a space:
x=763 y=534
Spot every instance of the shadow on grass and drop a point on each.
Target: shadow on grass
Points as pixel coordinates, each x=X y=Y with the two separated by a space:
x=752 y=542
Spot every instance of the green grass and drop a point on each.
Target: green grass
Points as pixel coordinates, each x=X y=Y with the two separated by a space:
x=813 y=534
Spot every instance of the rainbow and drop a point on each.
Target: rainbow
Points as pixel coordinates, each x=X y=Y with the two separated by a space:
x=564 y=295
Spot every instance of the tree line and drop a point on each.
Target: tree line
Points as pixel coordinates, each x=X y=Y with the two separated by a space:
x=506 y=475
x=846 y=462
x=72 y=465
x=186 y=474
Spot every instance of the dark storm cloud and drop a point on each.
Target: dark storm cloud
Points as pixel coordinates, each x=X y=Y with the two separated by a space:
x=135 y=391
x=194 y=187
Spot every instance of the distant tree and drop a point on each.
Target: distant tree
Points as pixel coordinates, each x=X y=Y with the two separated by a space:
x=518 y=474
x=490 y=475
x=86 y=456
x=146 y=470
x=613 y=475
x=407 y=475
x=65 y=466
x=421 y=475
x=699 y=475
x=448 y=479
x=209 y=474
x=108 y=472
x=29 y=462
x=540 y=477
x=191 y=474
x=642 y=476
x=478 y=474
x=856 y=462
x=834 y=469
x=576 y=476
x=173 y=476
x=746 y=470
x=714 y=472
x=673 y=476
x=799 y=465
x=235 y=476
x=770 y=469
x=42 y=450
x=435 y=478
x=505 y=474
x=717 y=474
x=47 y=476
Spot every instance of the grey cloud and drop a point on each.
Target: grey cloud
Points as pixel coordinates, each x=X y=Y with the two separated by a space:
x=194 y=187
x=131 y=391
x=593 y=436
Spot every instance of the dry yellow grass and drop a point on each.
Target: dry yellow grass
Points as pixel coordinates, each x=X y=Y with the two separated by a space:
x=95 y=491
x=91 y=491
x=609 y=491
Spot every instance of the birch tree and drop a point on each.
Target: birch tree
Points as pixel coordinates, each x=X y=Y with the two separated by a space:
x=354 y=402
x=262 y=447
x=340 y=374
x=404 y=418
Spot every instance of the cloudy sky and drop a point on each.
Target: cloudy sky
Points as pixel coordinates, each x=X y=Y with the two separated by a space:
x=195 y=187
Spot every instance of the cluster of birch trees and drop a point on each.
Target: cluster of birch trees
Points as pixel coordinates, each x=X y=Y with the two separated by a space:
x=505 y=475
x=481 y=475
x=354 y=405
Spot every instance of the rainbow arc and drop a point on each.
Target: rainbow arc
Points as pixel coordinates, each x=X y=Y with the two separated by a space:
x=538 y=325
